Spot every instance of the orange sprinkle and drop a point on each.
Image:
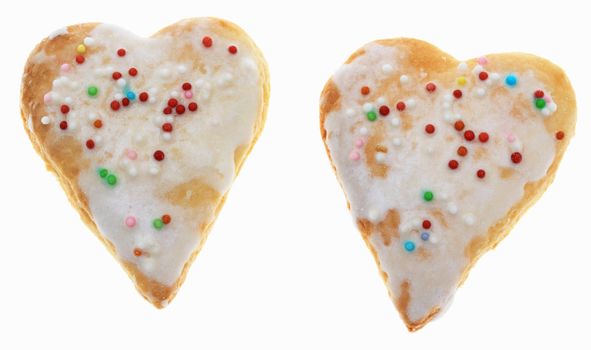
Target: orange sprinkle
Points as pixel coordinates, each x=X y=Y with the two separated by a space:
x=137 y=252
x=98 y=123
x=166 y=219
x=365 y=90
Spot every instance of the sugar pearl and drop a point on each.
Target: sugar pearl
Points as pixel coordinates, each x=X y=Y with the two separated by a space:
x=121 y=82
x=469 y=219
x=452 y=208
x=480 y=92
x=387 y=68
x=167 y=136
x=367 y=107
x=88 y=41
x=350 y=112
x=380 y=157
x=174 y=94
x=397 y=141
x=45 y=120
x=181 y=69
x=363 y=131
x=404 y=79
x=154 y=170
x=395 y=121
x=462 y=67
x=381 y=101
x=411 y=103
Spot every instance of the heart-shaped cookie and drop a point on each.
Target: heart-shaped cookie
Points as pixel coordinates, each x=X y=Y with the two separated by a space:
x=439 y=158
x=146 y=135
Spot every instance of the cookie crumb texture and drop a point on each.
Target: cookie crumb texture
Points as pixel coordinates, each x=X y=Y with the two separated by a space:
x=146 y=135
x=439 y=158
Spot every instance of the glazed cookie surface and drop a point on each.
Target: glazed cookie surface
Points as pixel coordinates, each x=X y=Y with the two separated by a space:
x=439 y=158
x=146 y=135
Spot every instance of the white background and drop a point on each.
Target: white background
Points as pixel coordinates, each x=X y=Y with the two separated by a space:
x=285 y=267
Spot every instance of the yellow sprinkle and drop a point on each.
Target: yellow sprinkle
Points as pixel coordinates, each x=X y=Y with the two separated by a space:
x=81 y=48
x=461 y=81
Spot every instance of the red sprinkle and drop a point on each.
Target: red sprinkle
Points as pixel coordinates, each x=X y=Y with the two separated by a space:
x=144 y=96
x=458 y=94
x=559 y=135
x=516 y=157
x=167 y=127
x=180 y=109
x=400 y=106
x=125 y=102
x=430 y=87
x=89 y=144
x=116 y=75
x=539 y=94
x=384 y=110
x=429 y=128
x=462 y=151
x=207 y=41
x=159 y=155
x=121 y=52
x=167 y=110
x=483 y=76
x=63 y=125
x=64 y=109
x=481 y=173
x=365 y=90
x=459 y=125
x=483 y=137
x=79 y=59
x=453 y=164
x=232 y=49
x=187 y=86
x=115 y=105
x=193 y=106
x=172 y=102
x=426 y=224
x=166 y=219
x=469 y=135
x=132 y=71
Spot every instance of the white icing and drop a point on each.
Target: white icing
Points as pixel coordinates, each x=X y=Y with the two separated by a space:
x=201 y=146
x=420 y=163
x=57 y=33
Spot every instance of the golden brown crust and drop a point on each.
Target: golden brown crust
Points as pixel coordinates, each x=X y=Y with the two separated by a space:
x=438 y=65
x=37 y=78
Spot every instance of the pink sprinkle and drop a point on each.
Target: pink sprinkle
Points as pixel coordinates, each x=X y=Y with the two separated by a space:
x=47 y=98
x=131 y=154
x=548 y=99
x=511 y=138
x=482 y=61
x=130 y=221
x=359 y=143
x=354 y=155
x=65 y=67
x=188 y=94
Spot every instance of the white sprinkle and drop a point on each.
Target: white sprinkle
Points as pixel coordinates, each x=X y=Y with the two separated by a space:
x=181 y=69
x=446 y=105
x=350 y=112
x=74 y=85
x=381 y=101
x=387 y=68
x=249 y=64
x=477 y=69
x=452 y=208
x=166 y=136
x=132 y=171
x=433 y=239
x=45 y=120
x=516 y=146
x=447 y=98
x=416 y=222
x=480 y=92
x=553 y=107
x=139 y=138
x=118 y=96
x=91 y=116
x=125 y=161
x=72 y=125
x=469 y=219
x=158 y=119
x=395 y=121
x=404 y=79
x=546 y=111
x=372 y=214
x=163 y=72
x=121 y=82
x=68 y=100
x=154 y=170
x=380 y=157
x=411 y=103
x=443 y=196
x=429 y=150
x=98 y=139
x=174 y=94
x=57 y=82
x=88 y=41
x=169 y=119
x=397 y=141
x=462 y=67
x=367 y=107
x=363 y=130
x=152 y=100
x=448 y=117
x=152 y=90
x=494 y=77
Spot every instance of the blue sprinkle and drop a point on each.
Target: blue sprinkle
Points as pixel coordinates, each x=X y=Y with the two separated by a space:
x=131 y=95
x=425 y=236
x=511 y=80
x=409 y=246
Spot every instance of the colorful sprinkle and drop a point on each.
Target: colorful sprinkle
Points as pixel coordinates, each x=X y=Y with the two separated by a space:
x=384 y=110
x=365 y=90
x=121 y=52
x=429 y=128
x=428 y=196
x=130 y=221
x=462 y=151
x=157 y=223
x=400 y=106
x=112 y=179
x=483 y=76
x=79 y=59
x=167 y=127
x=539 y=94
x=116 y=75
x=461 y=81
x=90 y=143
x=144 y=96
x=92 y=91
x=483 y=137
x=166 y=219
x=159 y=155
x=98 y=123
x=409 y=246
x=516 y=157
x=81 y=48
x=453 y=164
x=457 y=94
x=540 y=103
x=103 y=172
x=64 y=109
x=430 y=87
x=459 y=125
x=559 y=135
x=63 y=125
x=425 y=236
x=207 y=41
x=481 y=173
x=132 y=71
x=130 y=95
x=354 y=155
x=426 y=224
x=371 y=116
x=137 y=252
x=193 y=106
x=232 y=49
x=511 y=80
x=469 y=135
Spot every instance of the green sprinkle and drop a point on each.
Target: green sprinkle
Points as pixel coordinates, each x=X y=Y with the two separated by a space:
x=540 y=103
x=372 y=116
x=157 y=223
x=111 y=179
x=103 y=172
x=92 y=91
x=428 y=196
